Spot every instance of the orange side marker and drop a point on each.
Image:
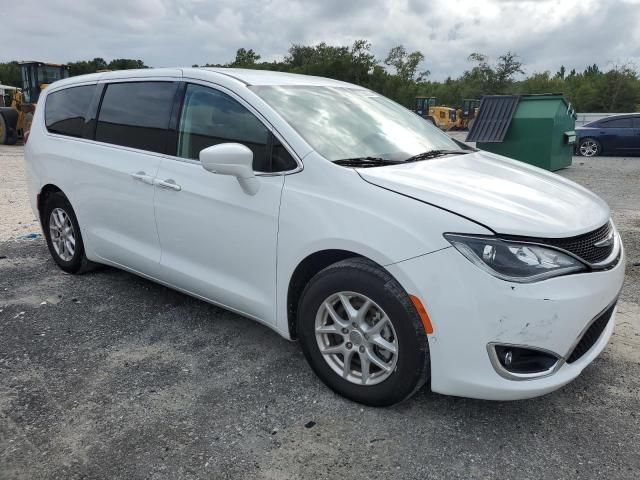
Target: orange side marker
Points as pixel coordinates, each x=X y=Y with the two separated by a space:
x=426 y=322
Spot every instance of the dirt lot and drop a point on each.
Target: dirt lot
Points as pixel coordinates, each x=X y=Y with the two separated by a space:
x=110 y=376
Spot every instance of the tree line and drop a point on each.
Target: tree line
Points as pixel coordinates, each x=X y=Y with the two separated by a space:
x=400 y=77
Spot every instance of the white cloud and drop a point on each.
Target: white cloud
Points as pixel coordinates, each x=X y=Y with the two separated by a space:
x=545 y=33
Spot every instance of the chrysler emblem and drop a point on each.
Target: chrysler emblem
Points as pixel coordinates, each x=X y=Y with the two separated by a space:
x=607 y=242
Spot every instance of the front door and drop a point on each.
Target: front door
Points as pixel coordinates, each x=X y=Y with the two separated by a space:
x=217 y=240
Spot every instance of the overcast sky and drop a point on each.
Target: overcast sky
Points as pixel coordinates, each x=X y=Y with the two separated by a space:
x=545 y=33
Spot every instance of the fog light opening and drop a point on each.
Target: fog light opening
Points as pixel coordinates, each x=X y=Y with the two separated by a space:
x=525 y=361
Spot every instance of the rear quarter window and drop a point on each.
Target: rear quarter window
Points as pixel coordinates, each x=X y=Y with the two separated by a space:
x=66 y=110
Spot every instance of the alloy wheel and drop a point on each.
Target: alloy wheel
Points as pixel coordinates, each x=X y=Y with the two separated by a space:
x=62 y=234
x=356 y=338
x=588 y=148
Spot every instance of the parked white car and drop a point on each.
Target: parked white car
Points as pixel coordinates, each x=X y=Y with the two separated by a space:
x=333 y=216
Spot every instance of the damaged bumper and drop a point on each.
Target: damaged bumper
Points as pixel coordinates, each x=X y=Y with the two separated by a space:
x=472 y=313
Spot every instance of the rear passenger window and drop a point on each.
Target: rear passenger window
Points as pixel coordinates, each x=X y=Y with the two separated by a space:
x=136 y=115
x=65 y=110
x=210 y=117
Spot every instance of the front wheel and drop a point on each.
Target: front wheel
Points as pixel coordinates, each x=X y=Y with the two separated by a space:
x=362 y=334
x=589 y=147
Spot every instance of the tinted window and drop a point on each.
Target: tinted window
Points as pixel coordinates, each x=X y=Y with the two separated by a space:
x=65 y=111
x=210 y=117
x=636 y=122
x=136 y=115
x=281 y=160
x=617 y=123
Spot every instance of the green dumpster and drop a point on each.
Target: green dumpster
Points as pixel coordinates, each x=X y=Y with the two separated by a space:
x=535 y=129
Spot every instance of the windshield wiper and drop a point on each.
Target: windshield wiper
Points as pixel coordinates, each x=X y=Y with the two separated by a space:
x=435 y=153
x=364 y=162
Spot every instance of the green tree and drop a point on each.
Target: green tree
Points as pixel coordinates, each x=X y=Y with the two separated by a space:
x=125 y=64
x=91 y=66
x=487 y=79
x=406 y=64
x=542 y=83
x=245 y=58
x=87 y=66
x=618 y=89
x=593 y=89
x=10 y=74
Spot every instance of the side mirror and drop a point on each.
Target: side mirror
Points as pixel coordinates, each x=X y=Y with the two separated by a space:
x=228 y=159
x=231 y=159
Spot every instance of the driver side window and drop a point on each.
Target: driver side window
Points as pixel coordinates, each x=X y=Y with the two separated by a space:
x=210 y=117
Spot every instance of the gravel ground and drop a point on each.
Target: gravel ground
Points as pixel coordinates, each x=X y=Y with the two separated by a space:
x=108 y=375
x=16 y=217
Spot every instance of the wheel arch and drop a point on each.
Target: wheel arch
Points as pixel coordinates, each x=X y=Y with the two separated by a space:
x=45 y=192
x=305 y=271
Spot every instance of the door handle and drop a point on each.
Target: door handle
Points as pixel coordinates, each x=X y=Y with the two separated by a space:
x=142 y=177
x=169 y=184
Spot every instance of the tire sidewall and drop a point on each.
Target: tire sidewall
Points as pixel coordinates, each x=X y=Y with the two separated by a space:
x=409 y=372
x=58 y=200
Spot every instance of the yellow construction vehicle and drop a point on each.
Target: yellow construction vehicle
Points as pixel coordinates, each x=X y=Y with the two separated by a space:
x=440 y=115
x=15 y=119
x=466 y=114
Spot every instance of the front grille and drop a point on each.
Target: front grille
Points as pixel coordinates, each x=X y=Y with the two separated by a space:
x=581 y=246
x=591 y=336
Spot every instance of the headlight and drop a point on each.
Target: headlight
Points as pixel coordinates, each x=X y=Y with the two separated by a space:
x=513 y=261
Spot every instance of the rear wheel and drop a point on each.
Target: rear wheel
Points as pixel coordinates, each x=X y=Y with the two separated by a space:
x=63 y=235
x=589 y=147
x=362 y=335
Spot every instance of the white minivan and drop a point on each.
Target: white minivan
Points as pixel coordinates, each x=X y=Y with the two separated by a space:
x=394 y=254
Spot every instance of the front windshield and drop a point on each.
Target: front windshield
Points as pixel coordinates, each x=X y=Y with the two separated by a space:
x=341 y=123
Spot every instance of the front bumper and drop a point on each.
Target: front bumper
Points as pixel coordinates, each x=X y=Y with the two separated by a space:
x=470 y=309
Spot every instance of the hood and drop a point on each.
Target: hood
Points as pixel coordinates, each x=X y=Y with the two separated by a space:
x=507 y=196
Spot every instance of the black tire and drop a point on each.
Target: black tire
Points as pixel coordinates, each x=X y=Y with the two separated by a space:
x=4 y=131
x=364 y=277
x=593 y=143
x=78 y=263
x=12 y=138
